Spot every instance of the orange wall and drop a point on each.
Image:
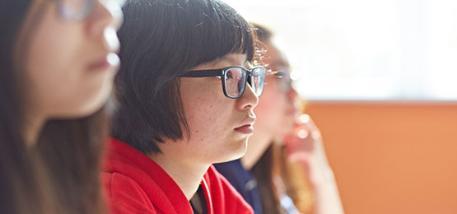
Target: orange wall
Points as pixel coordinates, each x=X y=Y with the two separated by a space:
x=392 y=157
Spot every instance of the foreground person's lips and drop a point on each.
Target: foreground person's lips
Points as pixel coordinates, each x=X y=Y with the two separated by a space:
x=105 y=63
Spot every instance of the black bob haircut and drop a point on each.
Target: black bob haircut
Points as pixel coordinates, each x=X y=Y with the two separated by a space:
x=160 y=39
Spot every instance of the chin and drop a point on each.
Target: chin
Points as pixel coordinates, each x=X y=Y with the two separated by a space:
x=95 y=103
x=93 y=98
x=236 y=151
x=83 y=108
x=79 y=113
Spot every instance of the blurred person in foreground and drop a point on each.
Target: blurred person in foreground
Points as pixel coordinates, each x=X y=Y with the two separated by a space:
x=57 y=63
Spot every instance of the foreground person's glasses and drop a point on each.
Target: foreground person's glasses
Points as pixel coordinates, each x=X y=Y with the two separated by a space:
x=234 y=79
x=80 y=9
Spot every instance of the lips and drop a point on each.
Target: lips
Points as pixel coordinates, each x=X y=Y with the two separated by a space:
x=110 y=60
x=246 y=129
x=247 y=126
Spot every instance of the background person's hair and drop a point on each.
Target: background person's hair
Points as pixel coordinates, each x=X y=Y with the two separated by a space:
x=72 y=153
x=61 y=173
x=18 y=179
x=263 y=173
x=262 y=33
x=160 y=39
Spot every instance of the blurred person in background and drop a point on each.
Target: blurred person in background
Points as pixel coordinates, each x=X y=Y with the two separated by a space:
x=285 y=168
x=57 y=62
x=186 y=94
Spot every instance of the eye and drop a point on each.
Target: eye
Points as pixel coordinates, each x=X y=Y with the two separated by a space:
x=280 y=74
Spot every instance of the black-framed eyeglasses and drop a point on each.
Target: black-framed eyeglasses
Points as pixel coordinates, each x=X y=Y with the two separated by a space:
x=80 y=9
x=234 y=79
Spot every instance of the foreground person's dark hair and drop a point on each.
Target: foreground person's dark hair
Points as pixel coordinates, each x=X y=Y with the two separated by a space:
x=60 y=174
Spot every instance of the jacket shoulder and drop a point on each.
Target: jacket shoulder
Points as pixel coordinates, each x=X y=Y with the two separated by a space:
x=124 y=194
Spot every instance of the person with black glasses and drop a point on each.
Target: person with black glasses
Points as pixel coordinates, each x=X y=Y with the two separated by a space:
x=58 y=59
x=186 y=94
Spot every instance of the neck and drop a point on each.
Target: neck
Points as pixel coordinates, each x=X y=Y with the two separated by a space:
x=187 y=174
x=257 y=145
x=32 y=128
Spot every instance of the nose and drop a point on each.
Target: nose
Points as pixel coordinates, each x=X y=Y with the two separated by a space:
x=105 y=20
x=292 y=94
x=249 y=100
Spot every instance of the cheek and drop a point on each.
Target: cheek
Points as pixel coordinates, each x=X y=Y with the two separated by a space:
x=52 y=54
x=58 y=81
x=48 y=72
x=205 y=107
x=272 y=117
x=64 y=93
x=55 y=44
x=272 y=105
x=211 y=118
x=55 y=71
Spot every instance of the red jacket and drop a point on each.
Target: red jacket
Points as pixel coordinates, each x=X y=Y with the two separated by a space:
x=136 y=184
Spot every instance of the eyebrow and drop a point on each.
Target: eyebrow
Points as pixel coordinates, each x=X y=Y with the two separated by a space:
x=279 y=63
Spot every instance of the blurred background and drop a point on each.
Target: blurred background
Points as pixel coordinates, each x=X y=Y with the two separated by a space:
x=380 y=79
